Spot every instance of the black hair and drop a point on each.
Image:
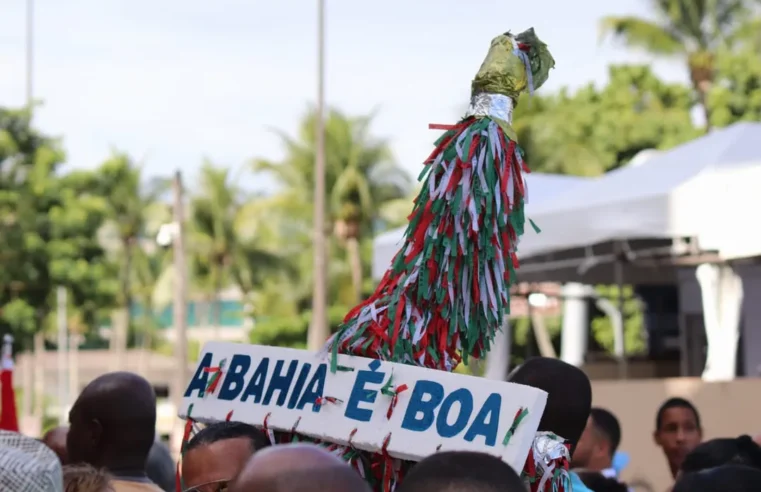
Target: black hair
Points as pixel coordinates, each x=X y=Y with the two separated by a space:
x=717 y=452
x=597 y=482
x=726 y=478
x=607 y=424
x=221 y=431
x=569 y=395
x=676 y=402
x=338 y=478
x=462 y=471
x=160 y=467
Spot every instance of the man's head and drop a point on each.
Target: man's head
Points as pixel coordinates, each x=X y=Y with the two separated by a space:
x=297 y=468
x=462 y=471
x=55 y=439
x=722 y=451
x=599 y=442
x=726 y=478
x=113 y=422
x=218 y=452
x=569 y=395
x=677 y=430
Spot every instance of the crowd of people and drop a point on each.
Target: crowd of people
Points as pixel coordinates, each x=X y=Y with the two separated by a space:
x=110 y=446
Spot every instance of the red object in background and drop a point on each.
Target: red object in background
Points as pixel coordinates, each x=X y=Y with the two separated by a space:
x=8 y=414
x=8 y=417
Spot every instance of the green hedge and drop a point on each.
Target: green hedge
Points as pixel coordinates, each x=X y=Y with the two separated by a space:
x=291 y=331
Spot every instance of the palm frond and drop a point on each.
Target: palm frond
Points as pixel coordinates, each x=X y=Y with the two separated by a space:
x=642 y=34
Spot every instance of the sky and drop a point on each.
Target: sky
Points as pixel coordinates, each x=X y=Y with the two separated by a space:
x=176 y=82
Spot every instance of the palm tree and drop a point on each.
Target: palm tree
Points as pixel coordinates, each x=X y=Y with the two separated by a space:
x=213 y=238
x=130 y=202
x=694 y=30
x=360 y=177
x=224 y=250
x=150 y=265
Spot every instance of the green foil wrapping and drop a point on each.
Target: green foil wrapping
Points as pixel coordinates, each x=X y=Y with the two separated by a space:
x=504 y=70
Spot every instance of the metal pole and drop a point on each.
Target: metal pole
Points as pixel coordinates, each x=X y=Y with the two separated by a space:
x=32 y=365
x=620 y=349
x=63 y=343
x=29 y=52
x=180 y=303
x=318 y=332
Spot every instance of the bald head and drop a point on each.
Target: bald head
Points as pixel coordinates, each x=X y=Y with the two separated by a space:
x=297 y=468
x=55 y=439
x=113 y=422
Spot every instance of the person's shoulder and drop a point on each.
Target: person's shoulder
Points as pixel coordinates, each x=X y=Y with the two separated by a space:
x=127 y=486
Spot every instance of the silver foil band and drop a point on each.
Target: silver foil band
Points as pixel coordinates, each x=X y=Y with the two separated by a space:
x=492 y=105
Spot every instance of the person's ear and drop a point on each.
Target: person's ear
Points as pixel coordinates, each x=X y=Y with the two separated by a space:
x=657 y=438
x=604 y=447
x=96 y=433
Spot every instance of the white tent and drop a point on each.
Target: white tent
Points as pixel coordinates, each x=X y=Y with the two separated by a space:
x=542 y=190
x=699 y=190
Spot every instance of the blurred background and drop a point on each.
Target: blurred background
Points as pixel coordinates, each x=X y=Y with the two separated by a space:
x=159 y=188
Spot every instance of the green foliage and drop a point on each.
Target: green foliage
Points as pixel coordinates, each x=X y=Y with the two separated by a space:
x=595 y=130
x=291 y=331
x=360 y=178
x=634 y=333
x=736 y=95
x=696 y=30
x=49 y=234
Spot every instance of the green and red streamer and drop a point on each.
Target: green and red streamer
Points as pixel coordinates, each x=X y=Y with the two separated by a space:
x=447 y=290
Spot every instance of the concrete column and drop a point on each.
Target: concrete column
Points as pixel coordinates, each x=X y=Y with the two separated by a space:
x=573 y=339
x=722 y=294
x=498 y=359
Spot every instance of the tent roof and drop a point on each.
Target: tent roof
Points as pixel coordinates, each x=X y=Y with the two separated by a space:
x=670 y=194
x=663 y=172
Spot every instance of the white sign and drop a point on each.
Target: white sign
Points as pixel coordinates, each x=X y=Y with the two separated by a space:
x=410 y=411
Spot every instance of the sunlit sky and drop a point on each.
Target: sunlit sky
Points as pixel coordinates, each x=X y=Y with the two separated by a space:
x=172 y=82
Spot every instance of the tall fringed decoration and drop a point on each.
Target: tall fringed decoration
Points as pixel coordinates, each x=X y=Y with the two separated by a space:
x=447 y=290
x=547 y=464
x=8 y=414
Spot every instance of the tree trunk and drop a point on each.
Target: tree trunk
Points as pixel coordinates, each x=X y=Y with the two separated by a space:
x=145 y=338
x=319 y=330
x=28 y=384
x=319 y=327
x=703 y=97
x=74 y=389
x=216 y=310
x=39 y=375
x=701 y=75
x=118 y=341
x=121 y=316
x=355 y=264
x=543 y=339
